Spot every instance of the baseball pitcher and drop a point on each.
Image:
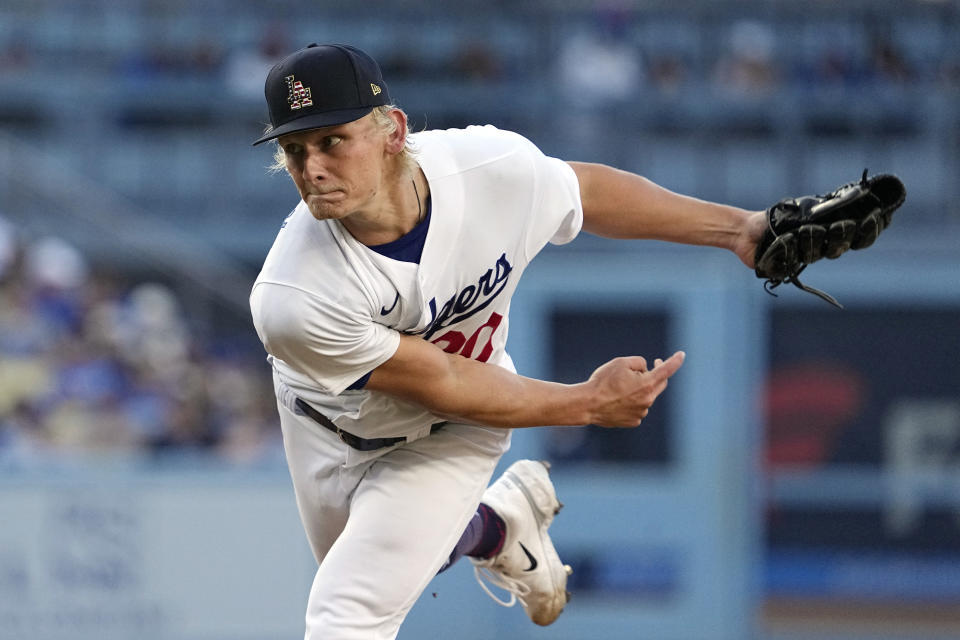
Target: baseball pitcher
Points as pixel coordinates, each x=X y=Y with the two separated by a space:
x=384 y=308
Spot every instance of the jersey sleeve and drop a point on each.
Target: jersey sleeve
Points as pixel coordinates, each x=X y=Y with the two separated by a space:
x=331 y=344
x=557 y=215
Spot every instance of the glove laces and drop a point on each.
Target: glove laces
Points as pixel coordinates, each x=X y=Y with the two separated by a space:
x=772 y=284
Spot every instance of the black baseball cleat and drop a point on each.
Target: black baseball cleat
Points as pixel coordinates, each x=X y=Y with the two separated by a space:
x=528 y=566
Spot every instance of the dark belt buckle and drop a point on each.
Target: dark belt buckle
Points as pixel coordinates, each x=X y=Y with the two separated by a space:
x=343 y=436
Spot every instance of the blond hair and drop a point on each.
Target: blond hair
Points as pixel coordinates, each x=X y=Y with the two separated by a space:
x=382 y=120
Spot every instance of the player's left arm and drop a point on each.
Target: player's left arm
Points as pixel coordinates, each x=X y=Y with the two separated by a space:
x=620 y=204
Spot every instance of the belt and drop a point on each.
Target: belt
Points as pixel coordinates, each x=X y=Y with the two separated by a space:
x=358 y=443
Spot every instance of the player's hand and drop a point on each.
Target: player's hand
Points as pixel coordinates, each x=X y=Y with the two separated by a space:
x=745 y=245
x=624 y=389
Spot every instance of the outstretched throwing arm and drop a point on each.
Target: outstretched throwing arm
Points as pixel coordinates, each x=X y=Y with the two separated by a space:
x=618 y=394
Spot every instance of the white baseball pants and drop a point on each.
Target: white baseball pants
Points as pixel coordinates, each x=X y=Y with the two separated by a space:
x=381 y=523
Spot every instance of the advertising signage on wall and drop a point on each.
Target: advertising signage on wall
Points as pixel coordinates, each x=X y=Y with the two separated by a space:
x=863 y=453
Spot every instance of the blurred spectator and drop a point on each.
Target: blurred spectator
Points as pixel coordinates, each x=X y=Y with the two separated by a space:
x=201 y=59
x=152 y=333
x=887 y=62
x=85 y=368
x=15 y=53
x=599 y=72
x=668 y=73
x=747 y=68
x=187 y=425
x=22 y=437
x=477 y=61
x=245 y=409
x=837 y=68
x=56 y=273
x=948 y=72
x=24 y=373
x=247 y=67
x=403 y=60
x=8 y=247
x=601 y=66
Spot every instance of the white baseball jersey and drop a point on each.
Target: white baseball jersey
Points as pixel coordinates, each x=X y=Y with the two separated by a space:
x=329 y=309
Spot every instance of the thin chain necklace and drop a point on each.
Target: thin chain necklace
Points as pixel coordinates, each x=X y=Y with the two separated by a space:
x=419 y=206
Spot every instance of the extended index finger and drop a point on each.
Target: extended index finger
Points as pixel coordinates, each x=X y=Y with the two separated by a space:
x=668 y=367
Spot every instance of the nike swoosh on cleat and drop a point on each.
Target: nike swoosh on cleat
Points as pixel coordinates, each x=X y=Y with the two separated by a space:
x=533 y=561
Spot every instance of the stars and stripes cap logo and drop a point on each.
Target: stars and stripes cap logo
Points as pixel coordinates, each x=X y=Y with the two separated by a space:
x=298 y=96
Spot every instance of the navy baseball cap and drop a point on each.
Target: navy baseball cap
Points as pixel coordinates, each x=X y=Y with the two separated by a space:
x=321 y=86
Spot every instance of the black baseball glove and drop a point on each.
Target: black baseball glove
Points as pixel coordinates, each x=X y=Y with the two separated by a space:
x=802 y=230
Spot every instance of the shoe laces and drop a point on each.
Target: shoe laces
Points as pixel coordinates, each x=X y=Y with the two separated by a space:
x=514 y=587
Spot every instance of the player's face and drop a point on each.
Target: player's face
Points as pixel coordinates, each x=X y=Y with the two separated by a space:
x=338 y=170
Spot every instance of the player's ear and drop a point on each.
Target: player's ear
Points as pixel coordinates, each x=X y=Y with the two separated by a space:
x=397 y=139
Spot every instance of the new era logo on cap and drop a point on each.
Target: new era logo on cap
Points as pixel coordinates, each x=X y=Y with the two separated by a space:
x=322 y=86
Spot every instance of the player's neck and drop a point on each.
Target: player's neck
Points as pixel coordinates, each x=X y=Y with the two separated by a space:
x=398 y=208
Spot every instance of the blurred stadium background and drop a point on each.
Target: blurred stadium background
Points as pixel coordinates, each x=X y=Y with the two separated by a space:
x=801 y=478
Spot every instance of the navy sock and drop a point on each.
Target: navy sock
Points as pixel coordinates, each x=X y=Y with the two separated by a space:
x=491 y=542
x=482 y=538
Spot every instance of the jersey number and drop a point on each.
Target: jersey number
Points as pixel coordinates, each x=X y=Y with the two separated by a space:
x=455 y=342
